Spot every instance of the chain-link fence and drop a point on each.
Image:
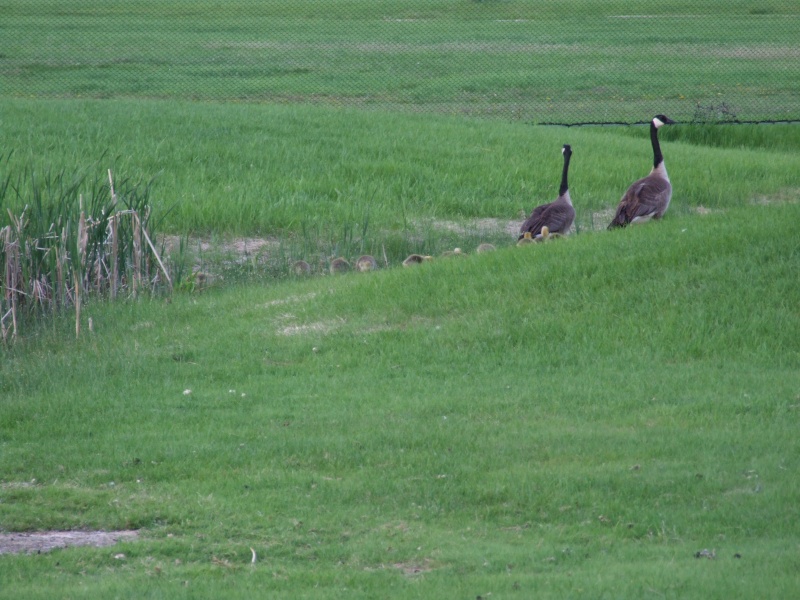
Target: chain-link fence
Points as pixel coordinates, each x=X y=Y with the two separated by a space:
x=543 y=61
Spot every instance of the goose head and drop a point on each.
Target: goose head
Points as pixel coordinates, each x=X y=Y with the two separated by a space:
x=660 y=120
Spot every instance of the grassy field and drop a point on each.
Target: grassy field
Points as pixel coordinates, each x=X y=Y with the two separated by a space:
x=614 y=414
x=276 y=170
x=580 y=418
x=566 y=61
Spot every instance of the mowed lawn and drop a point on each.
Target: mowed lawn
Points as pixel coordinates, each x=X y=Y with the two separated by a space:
x=612 y=414
x=565 y=62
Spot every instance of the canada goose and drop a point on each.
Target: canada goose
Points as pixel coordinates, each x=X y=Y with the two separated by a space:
x=485 y=247
x=301 y=267
x=558 y=215
x=526 y=238
x=366 y=263
x=339 y=265
x=648 y=197
x=415 y=259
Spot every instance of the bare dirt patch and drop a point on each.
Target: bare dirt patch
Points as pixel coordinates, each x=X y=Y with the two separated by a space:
x=45 y=541
x=784 y=196
x=238 y=246
x=289 y=300
x=319 y=327
x=702 y=210
x=474 y=226
x=600 y=219
x=411 y=569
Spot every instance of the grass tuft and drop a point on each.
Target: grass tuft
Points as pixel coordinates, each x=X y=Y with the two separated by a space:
x=77 y=237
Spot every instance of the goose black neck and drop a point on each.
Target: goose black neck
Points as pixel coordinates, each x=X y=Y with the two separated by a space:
x=564 y=187
x=658 y=158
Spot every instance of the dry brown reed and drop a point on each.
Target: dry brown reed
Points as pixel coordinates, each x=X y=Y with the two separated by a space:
x=58 y=253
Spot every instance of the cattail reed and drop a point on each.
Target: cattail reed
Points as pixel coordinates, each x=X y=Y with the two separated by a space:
x=73 y=239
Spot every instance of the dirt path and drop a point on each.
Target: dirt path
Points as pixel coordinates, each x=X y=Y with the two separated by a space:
x=44 y=541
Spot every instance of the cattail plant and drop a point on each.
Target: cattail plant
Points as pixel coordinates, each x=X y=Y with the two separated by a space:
x=75 y=238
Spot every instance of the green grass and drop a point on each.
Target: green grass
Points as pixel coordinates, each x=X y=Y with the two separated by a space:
x=566 y=61
x=571 y=419
x=273 y=170
x=574 y=419
x=764 y=137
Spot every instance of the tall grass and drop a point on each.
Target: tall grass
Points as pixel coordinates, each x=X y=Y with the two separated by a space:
x=272 y=171
x=78 y=235
x=317 y=183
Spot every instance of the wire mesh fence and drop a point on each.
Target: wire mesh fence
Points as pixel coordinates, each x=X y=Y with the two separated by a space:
x=542 y=61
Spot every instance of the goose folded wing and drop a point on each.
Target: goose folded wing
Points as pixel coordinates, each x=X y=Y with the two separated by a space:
x=557 y=216
x=534 y=225
x=651 y=198
x=534 y=220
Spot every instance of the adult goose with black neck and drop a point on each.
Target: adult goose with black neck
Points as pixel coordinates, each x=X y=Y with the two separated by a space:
x=648 y=198
x=557 y=216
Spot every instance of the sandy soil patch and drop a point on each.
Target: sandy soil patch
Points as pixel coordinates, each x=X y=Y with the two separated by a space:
x=410 y=569
x=600 y=219
x=45 y=541
x=784 y=196
x=239 y=245
x=310 y=328
x=474 y=226
x=289 y=300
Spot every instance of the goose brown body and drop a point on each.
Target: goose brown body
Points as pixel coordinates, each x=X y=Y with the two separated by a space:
x=416 y=259
x=339 y=265
x=301 y=267
x=558 y=215
x=366 y=263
